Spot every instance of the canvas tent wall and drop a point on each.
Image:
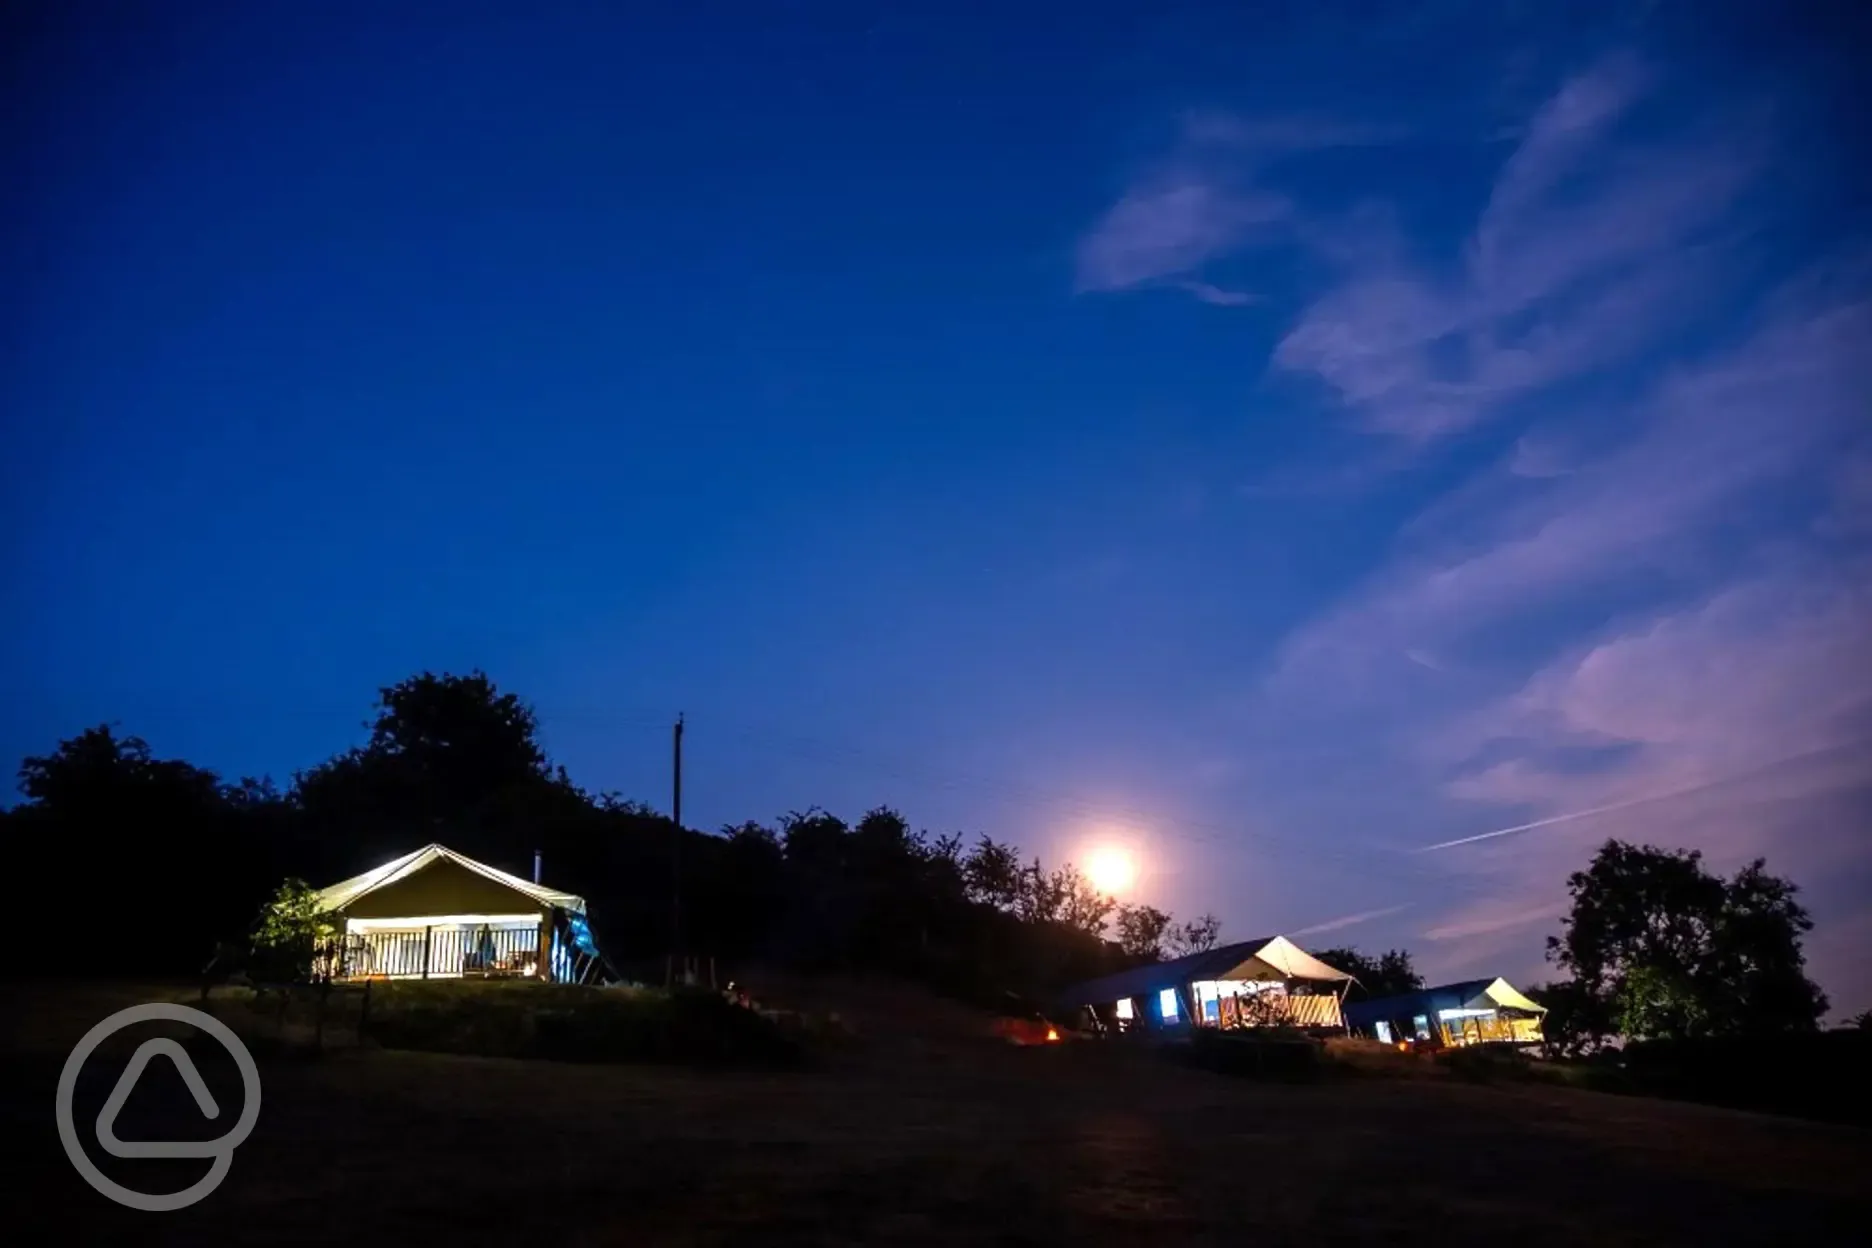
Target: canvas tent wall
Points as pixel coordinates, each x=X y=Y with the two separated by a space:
x=1472 y=1011
x=435 y=913
x=1195 y=988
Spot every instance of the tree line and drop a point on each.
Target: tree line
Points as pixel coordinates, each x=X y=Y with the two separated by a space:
x=149 y=863
x=142 y=865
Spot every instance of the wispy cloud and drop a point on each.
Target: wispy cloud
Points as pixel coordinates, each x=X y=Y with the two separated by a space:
x=1715 y=690
x=1711 y=441
x=1646 y=616
x=1769 y=673
x=1202 y=201
x=1576 y=261
x=1491 y=918
x=1216 y=296
x=1534 y=457
x=1171 y=227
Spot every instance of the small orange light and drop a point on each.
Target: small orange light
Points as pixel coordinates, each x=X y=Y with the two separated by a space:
x=1052 y=1035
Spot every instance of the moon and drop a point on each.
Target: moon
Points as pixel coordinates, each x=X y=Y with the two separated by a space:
x=1110 y=870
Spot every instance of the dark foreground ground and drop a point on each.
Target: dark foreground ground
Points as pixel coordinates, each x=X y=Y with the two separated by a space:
x=904 y=1140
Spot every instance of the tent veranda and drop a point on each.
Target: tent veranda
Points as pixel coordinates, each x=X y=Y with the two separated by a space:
x=436 y=914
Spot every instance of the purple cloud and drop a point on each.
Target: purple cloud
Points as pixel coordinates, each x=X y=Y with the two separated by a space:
x=1729 y=708
x=1169 y=229
x=1216 y=296
x=1577 y=260
x=1202 y=202
x=1709 y=440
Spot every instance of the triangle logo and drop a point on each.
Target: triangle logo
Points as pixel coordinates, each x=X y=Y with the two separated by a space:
x=126 y=1083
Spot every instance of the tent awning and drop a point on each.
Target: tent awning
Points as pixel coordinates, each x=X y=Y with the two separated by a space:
x=1503 y=995
x=343 y=893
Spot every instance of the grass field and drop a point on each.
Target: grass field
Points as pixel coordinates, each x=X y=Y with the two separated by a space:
x=914 y=1136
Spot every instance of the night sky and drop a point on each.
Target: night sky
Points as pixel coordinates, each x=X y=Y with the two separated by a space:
x=1279 y=437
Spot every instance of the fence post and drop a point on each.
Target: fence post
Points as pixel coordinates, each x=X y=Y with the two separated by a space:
x=428 y=941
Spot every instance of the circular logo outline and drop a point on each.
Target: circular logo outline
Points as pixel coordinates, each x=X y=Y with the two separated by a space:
x=221 y=1150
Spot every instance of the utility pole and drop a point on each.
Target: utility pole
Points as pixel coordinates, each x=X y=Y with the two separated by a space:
x=676 y=843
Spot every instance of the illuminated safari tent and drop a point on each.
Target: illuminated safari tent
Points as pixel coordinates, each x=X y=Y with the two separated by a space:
x=437 y=914
x=1476 y=1011
x=1251 y=983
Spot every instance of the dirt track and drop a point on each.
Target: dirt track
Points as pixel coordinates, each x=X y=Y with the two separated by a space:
x=948 y=1141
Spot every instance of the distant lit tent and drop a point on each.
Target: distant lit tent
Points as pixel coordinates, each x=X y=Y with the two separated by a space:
x=1474 y=1011
x=1250 y=983
x=437 y=914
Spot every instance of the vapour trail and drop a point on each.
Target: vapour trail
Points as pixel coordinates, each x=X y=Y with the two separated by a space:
x=1636 y=801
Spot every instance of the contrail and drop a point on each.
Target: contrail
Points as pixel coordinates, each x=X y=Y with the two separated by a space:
x=1553 y=819
x=1350 y=920
x=1637 y=801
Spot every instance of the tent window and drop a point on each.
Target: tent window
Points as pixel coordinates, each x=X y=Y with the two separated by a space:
x=1167 y=1004
x=1124 y=1008
x=1383 y=1030
x=1421 y=1022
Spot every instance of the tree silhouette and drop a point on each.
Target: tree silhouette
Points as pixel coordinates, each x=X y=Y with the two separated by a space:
x=165 y=850
x=445 y=751
x=1387 y=975
x=1667 y=950
x=1195 y=936
x=992 y=872
x=1141 y=931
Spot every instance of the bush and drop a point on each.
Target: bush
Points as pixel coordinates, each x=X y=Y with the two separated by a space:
x=1817 y=1074
x=1267 y=1054
x=1487 y=1063
x=1356 y=1055
x=570 y=1023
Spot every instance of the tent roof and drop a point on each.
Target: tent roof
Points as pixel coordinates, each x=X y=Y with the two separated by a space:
x=1270 y=957
x=343 y=893
x=1503 y=993
x=1468 y=994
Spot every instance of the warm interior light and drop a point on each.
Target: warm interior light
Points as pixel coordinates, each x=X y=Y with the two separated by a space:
x=1111 y=870
x=419 y=922
x=1052 y=1034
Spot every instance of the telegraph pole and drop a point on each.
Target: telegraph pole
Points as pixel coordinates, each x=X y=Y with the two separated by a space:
x=676 y=843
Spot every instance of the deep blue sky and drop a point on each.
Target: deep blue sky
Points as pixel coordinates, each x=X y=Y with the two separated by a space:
x=1277 y=439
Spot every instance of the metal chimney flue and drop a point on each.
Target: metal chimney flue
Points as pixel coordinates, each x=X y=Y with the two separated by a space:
x=536 y=866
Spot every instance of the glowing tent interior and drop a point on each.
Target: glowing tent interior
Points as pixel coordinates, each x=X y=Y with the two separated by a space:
x=437 y=914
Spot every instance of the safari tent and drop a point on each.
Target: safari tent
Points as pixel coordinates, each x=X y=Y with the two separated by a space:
x=1251 y=983
x=1475 y=1011
x=437 y=914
